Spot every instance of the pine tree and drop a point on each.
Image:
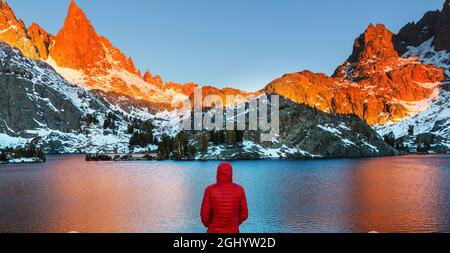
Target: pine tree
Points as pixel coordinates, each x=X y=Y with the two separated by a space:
x=411 y=130
x=231 y=138
x=213 y=137
x=191 y=151
x=3 y=156
x=203 y=141
x=390 y=139
x=239 y=136
x=221 y=137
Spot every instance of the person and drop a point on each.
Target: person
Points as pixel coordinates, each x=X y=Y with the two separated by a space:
x=224 y=206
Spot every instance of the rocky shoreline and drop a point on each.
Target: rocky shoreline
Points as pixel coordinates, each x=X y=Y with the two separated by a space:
x=26 y=154
x=23 y=160
x=147 y=158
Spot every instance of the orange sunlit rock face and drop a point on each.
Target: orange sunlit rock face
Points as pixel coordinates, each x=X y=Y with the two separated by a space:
x=78 y=46
x=212 y=96
x=372 y=182
x=375 y=49
x=40 y=39
x=156 y=80
x=14 y=32
x=374 y=83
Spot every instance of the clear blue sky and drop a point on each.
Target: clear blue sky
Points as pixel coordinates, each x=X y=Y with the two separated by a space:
x=239 y=43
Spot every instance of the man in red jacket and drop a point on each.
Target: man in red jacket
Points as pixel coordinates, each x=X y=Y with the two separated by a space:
x=224 y=206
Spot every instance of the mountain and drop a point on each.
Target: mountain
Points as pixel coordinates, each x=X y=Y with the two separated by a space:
x=433 y=26
x=14 y=32
x=398 y=83
x=78 y=46
x=316 y=135
x=87 y=59
x=40 y=106
x=40 y=39
x=428 y=40
x=76 y=92
x=37 y=104
x=375 y=83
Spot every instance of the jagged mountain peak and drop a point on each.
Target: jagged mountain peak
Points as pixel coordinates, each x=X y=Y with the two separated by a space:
x=377 y=57
x=77 y=17
x=95 y=62
x=433 y=25
x=74 y=9
x=78 y=46
x=36 y=27
x=4 y=6
x=148 y=75
x=85 y=58
x=374 y=83
x=376 y=43
x=41 y=39
x=14 y=32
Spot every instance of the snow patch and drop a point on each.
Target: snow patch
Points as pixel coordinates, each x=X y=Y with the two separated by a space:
x=9 y=141
x=330 y=129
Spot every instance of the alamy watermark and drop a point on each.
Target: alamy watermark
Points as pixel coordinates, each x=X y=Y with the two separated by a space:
x=234 y=112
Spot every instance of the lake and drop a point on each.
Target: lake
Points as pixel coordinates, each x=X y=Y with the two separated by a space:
x=392 y=194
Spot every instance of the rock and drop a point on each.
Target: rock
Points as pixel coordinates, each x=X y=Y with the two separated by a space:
x=305 y=132
x=26 y=105
x=104 y=67
x=414 y=34
x=374 y=83
x=155 y=80
x=434 y=24
x=377 y=42
x=41 y=39
x=97 y=157
x=428 y=41
x=14 y=32
x=78 y=46
x=36 y=102
x=442 y=38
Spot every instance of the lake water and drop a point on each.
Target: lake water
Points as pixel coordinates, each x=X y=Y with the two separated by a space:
x=394 y=194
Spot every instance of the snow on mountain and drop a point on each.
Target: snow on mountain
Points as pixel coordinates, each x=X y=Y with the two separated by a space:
x=434 y=117
x=428 y=55
x=14 y=32
x=60 y=90
x=374 y=83
x=89 y=60
x=38 y=103
x=305 y=132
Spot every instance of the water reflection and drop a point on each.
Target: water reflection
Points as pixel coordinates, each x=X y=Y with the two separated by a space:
x=391 y=195
x=400 y=194
x=112 y=199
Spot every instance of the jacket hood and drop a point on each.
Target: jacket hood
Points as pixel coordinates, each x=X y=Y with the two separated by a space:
x=225 y=173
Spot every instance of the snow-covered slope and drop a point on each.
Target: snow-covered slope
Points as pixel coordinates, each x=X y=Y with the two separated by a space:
x=435 y=118
x=304 y=132
x=39 y=105
x=36 y=102
x=428 y=55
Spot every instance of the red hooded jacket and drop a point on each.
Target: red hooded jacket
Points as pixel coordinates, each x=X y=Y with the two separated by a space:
x=224 y=206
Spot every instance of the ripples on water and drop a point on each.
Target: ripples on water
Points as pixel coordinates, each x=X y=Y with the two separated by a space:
x=394 y=194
